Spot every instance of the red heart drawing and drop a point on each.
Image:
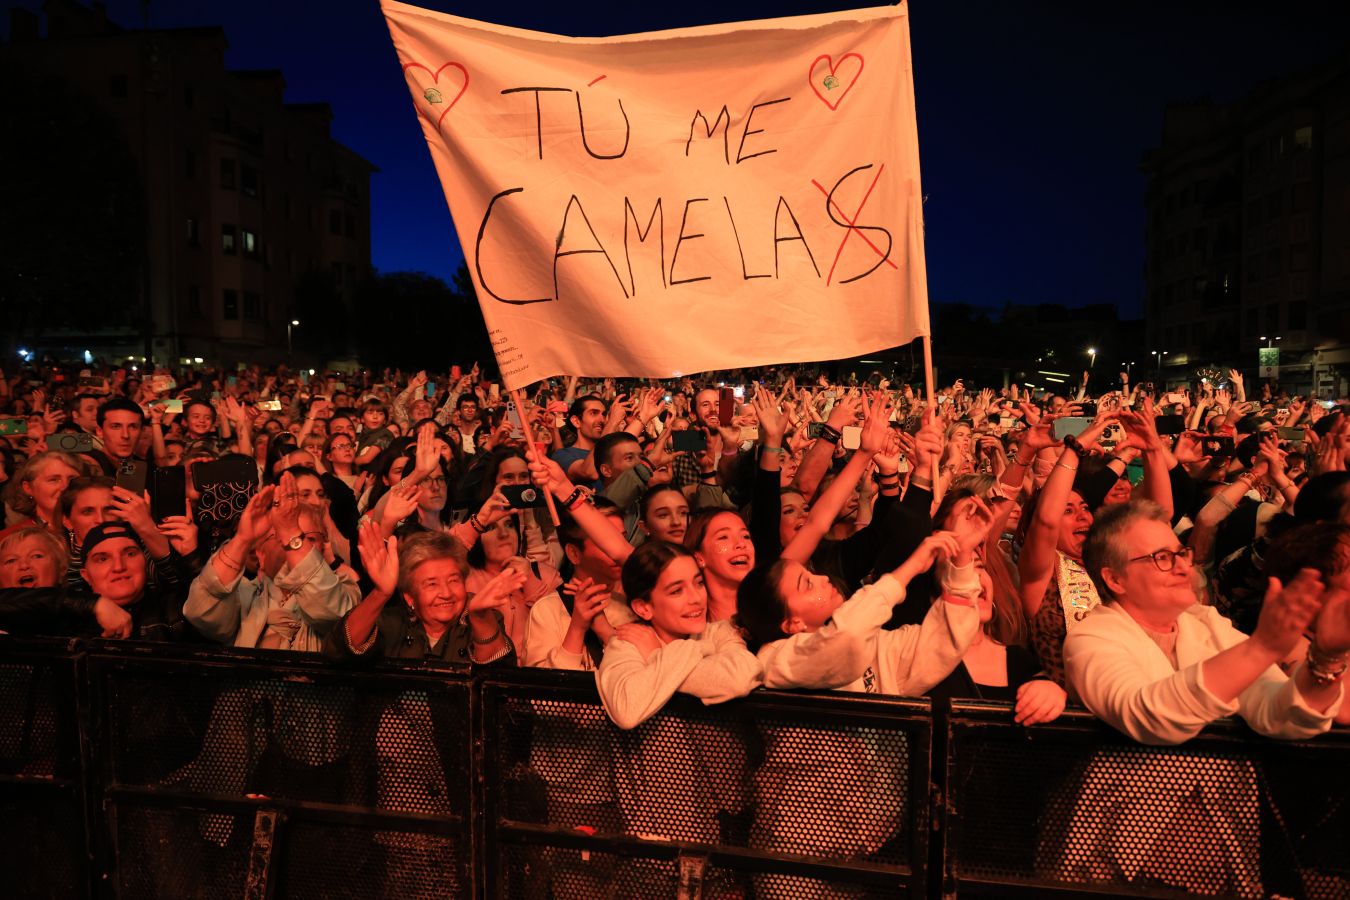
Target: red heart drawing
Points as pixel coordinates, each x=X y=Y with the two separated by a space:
x=818 y=82
x=436 y=77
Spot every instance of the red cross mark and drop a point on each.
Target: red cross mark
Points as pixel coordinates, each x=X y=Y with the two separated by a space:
x=854 y=221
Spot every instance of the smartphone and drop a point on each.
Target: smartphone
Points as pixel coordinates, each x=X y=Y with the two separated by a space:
x=691 y=440
x=225 y=486
x=172 y=406
x=494 y=392
x=71 y=441
x=132 y=474
x=231 y=380
x=269 y=405
x=1089 y=408
x=1170 y=424
x=340 y=386
x=168 y=492
x=1070 y=425
x=90 y=382
x=456 y=373
x=431 y=389
x=13 y=425
x=1290 y=434
x=162 y=384
x=851 y=437
x=523 y=496
x=750 y=433
x=1006 y=422
x=726 y=405
x=815 y=429
x=1216 y=445
x=1174 y=397
x=1327 y=404
x=738 y=393
x=1281 y=415
x=1113 y=435
x=517 y=429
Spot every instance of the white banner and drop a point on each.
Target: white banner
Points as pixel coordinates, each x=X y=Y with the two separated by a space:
x=659 y=204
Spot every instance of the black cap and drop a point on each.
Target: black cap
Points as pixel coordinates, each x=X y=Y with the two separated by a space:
x=106 y=531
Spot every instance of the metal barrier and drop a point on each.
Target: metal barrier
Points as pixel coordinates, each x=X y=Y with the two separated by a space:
x=44 y=807
x=238 y=774
x=1075 y=808
x=153 y=771
x=774 y=796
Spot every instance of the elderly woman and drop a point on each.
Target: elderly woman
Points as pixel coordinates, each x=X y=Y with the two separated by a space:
x=1158 y=666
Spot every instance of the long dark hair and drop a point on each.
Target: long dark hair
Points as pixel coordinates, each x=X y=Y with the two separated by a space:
x=760 y=609
x=644 y=566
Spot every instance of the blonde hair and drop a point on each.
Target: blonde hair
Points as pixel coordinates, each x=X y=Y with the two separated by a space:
x=54 y=546
x=20 y=500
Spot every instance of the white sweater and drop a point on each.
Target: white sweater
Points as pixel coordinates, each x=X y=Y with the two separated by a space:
x=1124 y=677
x=852 y=652
x=714 y=666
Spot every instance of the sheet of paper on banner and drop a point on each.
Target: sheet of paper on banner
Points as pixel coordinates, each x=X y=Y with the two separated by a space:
x=678 y=201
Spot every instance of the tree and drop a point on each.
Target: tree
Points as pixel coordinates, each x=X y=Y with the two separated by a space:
x=412 y=319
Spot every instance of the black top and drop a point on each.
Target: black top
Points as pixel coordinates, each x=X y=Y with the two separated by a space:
x=959 y=685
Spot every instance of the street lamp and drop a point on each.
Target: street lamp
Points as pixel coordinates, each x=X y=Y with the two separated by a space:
x=289 y=325
x=1160 y=354
x=1092 y=351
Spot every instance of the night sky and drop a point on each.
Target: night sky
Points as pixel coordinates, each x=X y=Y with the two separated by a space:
x=1032 y=117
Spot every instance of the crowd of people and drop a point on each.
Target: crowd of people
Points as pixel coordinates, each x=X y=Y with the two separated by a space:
x=1164 y=558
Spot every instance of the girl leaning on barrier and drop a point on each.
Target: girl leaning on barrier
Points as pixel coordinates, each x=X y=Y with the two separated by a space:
x=677 y=778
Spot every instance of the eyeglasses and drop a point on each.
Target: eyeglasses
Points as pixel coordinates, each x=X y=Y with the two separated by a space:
x=1166 y=560
x=341 y=446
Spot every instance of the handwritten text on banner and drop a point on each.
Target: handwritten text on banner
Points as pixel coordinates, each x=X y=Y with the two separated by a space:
x=678 y=201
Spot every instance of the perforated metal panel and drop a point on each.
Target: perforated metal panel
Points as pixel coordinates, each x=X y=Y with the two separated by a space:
x=817 y=785
x=356 y=762
x=43 y=849
x=1080 y=806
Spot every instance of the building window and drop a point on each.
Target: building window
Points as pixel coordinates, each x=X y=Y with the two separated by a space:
x=1273 y=317
x=335 y=221
x=1300 y=258
x=249 y=240
x=1303 y=138
x=248 y=180
x=349 y=221
x=231 y=305
x=194 y=236
x=117 y=85
x=227 y=245
x=194 y=301
x=252 y=305
x=1298 y=315
x=190 y=164
x=227 y=174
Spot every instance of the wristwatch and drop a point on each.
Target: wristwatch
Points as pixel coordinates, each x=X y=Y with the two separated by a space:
x=296 y=542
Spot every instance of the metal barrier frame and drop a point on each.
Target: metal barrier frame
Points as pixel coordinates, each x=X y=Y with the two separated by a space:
x=274 y=816
x=826 y=708
x=1079 y=728
x=86 y=770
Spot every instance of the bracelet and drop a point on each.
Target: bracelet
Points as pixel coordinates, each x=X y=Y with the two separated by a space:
x=573 y=497
x=1060 y=465
x=490 y=638
x=767 y=449
x=477 y=525
x=225 y=556
x=1027 y=464
x=584 y=498
x=830 y=434
x=1325 y=670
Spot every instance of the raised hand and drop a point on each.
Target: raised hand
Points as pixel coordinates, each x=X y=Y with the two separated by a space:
x=181 y=532
x=380 y=557
x=1287 y=611
x=403 y=500
x=496 y=594
x=254 y=521
x=772 y=423
x=876 y=426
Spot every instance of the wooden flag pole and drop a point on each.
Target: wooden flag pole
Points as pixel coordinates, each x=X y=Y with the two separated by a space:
x=931 y=388
x=527 y=424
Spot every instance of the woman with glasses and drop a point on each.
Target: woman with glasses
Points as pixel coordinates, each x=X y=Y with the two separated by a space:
x=1159 y=666
x=339 y=457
